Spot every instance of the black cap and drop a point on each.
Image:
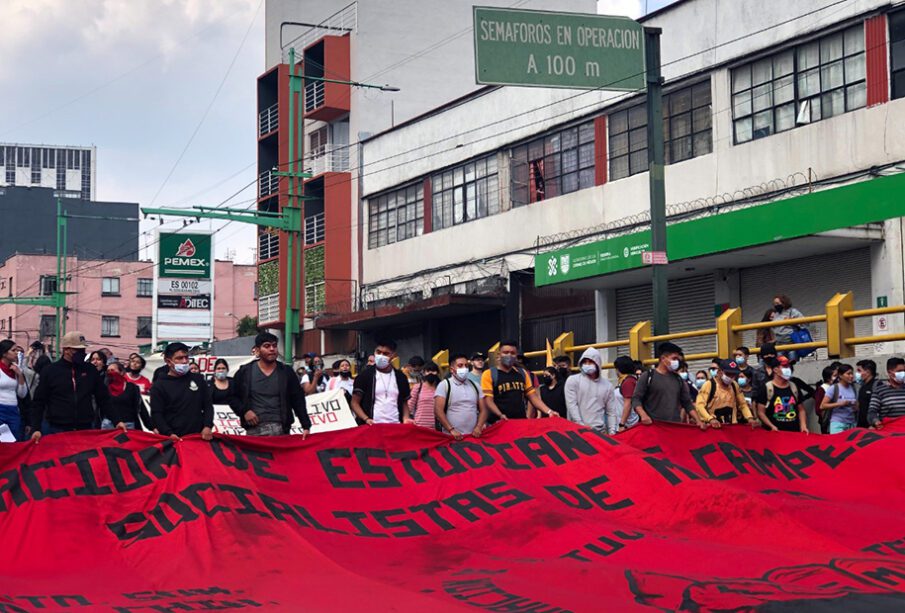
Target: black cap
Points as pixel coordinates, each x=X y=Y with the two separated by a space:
x=730 y=367
x=477 y=355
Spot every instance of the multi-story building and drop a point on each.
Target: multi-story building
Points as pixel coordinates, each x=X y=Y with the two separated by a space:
x=423 y=48
x=111 y=301
x=516 y=212
x=69 y=171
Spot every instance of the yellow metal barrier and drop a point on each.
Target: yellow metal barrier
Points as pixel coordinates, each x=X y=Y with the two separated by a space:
x=441 y=359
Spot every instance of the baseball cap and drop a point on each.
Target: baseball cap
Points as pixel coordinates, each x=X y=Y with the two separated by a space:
x=783 y=360
x=477 y=355
x=74 y=340
x=729 y=367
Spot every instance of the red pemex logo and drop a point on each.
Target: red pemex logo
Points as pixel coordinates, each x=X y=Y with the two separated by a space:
x=186 y=249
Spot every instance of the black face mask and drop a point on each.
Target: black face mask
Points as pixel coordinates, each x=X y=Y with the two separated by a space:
x=79 y=356
x=345 y=374
x=777 y=308
x=432 y=379
x=562 y=372
x=545 y=380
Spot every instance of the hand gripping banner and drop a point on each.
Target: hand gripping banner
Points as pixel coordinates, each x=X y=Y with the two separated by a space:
x=535 y=516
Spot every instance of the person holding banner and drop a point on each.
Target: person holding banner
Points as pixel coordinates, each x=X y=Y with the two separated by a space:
x=457 y=401
x=126 y=405
x=181 y=400
x=381 y=392
x=268 y=393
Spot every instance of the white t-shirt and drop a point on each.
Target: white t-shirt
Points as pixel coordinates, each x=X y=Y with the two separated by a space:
x=386 y=398
x=347 y=384
x=10 y=390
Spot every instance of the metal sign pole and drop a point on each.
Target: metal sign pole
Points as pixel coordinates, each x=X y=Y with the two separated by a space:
x=656 y=178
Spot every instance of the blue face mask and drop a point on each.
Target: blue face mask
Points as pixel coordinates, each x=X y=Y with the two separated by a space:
x=381 y=361
x=858 y=377
x=740 y=360
x=742 y=381
x=182 y=369
x=713 y=372
x=684 y=376
x=699 y=383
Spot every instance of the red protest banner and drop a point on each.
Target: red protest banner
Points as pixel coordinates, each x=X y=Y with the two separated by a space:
x=535 y=516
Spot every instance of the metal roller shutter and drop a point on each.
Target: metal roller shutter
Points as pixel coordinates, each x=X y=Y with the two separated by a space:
x=810 y=282
x=690 y=308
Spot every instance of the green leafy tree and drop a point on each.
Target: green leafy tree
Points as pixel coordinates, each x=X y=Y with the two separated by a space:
x=247 y=326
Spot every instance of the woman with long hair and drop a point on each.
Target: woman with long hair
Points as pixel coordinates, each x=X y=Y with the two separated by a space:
x=133 y=373
x=13 y=388
x=126 y=405
x=223 y=387
x=99 y=361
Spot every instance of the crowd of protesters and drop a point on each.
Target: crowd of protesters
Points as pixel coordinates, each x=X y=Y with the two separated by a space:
x=81 y=392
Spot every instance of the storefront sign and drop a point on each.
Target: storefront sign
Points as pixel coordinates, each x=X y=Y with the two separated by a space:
x=184 y=302
x=185 y=255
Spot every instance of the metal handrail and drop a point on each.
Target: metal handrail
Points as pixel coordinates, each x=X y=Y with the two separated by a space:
x=328 y=159
x=344 y=20
x=268 y=120
x=604 y=345
x=794 y=321
x=314 y=95
x=680 y=335
x=314 y=229
x=871 y=312
x=268 y=183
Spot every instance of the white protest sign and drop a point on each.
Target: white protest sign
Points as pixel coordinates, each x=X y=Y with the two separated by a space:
x=328 y=411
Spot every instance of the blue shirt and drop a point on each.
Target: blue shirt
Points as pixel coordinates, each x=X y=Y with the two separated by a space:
x=847 y=414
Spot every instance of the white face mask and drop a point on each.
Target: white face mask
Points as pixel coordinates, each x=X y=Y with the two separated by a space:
x=589 y=369
x=900 y=376
x=461 y=373
x=674 y=365
x=740 y=360
x=182 y=369
x=786 y=373
x=684 y=376
x=727 y=379
x=381 y=361
x=699 y=383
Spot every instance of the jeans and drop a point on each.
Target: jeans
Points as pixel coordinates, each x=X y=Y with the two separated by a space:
x=9 y=415
x=841 y=426
x=106 y=424
x=268 y=429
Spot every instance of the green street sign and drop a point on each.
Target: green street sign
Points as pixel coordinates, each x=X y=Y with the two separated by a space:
x=882 y=302
x=184 y=255
x=552 y=49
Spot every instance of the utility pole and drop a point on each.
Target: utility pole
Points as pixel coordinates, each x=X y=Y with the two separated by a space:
x=656 y=178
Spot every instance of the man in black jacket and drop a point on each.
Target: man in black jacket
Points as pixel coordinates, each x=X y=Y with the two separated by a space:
x=181 y=401
x=380 y=393
x=269 y=393
x=62 y=401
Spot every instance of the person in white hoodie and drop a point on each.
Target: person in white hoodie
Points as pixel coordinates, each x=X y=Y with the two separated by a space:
x=589 y=395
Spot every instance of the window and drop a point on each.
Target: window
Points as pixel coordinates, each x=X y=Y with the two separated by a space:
x=143 y=327
x=109 y=326
x=48 y=285
x=145 y=288
x=687 y=131
x=48 y=325
x=396 y=216
x=110 y=286
x=556 y=164
x=813 y=81
x=464 y=193
x=317 y=142
x=897 y=53
x=315 y=297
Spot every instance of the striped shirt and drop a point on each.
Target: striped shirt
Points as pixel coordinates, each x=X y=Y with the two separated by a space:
x=886 y=402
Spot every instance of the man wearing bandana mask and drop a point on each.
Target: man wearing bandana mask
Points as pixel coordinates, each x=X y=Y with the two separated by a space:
x=63 y=398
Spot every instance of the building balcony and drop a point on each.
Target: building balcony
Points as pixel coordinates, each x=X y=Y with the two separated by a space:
x=268 y=309
x=268 y=245
x=328 y=159
x=268 y=183
x=268 y=120
x=314 y=229
x=327 y=100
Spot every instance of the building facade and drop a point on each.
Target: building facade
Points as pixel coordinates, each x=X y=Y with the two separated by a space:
x=421 y=47
x=69 y=171
x=112 y=301
x=521 y=212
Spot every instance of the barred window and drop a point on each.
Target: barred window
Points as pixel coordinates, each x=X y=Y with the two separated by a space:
x=144 y=288
x=897 y=53
x=558 y=163
x=465 y=193
x=687 y=131
x=396 y=216
x=143 y=327
x=812 y=81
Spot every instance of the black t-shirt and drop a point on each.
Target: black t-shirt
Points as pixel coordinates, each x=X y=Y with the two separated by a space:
x=864 y=396
x=181 y=405
x=555 y=398
x=509 y=391
x=782 y=408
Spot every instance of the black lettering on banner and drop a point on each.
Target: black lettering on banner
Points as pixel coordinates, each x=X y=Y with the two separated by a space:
x=82 y=461
x=700 y=456
x=412 y=528
x=184 y=512
x=739 y=459
x=610 y=545
x=14 y=487
x=464 y=502
x=63 y=601
x=282 y=510
x=158 y=457
x=314 y=523
x=116 y=457
x=887 y=576
x=364 y=455
x=122 y=530
x=569 y=497
x=766 y=460
x=407 y=458
x=508 y=461
x=535 y=448
x=600 y=497
x=258 y=461
x=670 y=471
x=473 y=455
x=242 y=496
x=37 y=491
x=895 y=548
x=260 y=464
x=510 y=496
x=356 y=518
x=455 y=467
x=11 y=608
x=34 y=601
x=193 y=494
x=797 y=461
x=334 y=472
x=865 y=437
x=158 y=595
x=609 y=440
x=484 y=594
x=825 y=454
x=571 y=444
x=430 y=509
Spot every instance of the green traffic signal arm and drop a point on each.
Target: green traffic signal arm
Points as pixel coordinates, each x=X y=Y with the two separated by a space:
x=289 y=220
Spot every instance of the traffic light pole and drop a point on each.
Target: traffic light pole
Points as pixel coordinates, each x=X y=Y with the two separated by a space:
x=656 y=179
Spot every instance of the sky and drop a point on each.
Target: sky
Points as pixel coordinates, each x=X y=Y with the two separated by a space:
x=165 y=89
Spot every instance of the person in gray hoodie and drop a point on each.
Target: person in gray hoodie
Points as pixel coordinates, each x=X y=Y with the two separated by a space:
x=589 y=395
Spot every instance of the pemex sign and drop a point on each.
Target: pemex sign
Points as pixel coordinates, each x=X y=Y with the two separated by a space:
x=552 y=49
x=185 y=255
